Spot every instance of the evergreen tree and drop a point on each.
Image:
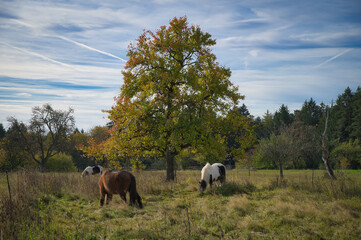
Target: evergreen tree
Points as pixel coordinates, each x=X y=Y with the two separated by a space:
x=283 y=117
x=356 y=116
x=343 y=113
x=310 y=113
x=243 y=110
x=265 y=126
x=2 y=131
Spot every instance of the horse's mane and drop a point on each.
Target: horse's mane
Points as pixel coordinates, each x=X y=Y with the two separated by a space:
x=206 y=171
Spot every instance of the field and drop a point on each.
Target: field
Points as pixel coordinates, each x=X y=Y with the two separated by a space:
x=304 y=205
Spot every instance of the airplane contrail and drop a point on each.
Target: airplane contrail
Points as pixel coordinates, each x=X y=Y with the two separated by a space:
x=91 y=48
x=72 y=41
x=334 y=57
x=39 y=55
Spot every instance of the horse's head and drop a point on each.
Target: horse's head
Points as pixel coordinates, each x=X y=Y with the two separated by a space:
x=202 y=185
x=88 y=170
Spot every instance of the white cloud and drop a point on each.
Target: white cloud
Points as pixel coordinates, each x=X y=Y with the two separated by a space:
x=254 y=39
x=253 y=53
x=24 y=94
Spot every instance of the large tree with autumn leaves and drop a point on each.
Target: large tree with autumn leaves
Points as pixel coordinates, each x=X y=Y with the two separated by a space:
x=175 y=96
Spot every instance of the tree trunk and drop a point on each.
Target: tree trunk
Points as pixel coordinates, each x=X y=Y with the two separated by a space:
x=170 y=165
x=325 y=153
x=42 y=166
x=42 y=163
x=170 y=169
x=326 y=158
x=249 y=164
x=281 y=170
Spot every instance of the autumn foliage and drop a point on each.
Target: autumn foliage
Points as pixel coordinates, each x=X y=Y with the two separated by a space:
x=175 y=96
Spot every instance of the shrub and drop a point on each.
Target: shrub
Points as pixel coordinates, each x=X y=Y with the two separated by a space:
x=347 y=155
x=61 y=162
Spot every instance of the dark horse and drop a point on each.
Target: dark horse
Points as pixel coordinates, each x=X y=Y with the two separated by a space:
x=118 y=183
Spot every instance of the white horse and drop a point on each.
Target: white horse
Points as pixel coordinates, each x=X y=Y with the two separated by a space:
x=212 y=173
x=92 y=170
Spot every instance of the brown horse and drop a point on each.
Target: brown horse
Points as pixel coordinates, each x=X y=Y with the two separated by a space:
x=118 y=183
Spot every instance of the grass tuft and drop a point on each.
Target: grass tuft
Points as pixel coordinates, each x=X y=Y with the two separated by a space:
x=232 y=188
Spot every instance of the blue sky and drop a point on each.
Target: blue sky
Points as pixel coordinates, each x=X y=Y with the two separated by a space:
x=71 y=53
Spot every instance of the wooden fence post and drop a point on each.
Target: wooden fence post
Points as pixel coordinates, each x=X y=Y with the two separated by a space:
x=7 y=178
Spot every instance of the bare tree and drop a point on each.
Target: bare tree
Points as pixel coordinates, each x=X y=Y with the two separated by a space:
x=46 y=134
x=325 y=152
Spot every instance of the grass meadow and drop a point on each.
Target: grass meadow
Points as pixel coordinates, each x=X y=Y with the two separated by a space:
x=303 y=205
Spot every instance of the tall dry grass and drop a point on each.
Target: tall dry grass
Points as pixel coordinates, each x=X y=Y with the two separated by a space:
x=29 y=191
x=257 y=205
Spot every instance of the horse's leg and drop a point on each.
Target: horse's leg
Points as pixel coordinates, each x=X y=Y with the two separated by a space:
x=132 y=199
x=124 y=197
x=222 y=180
x=102 y=196
x=210 y=181
x=132 y=189
x=109 y=198
x=222 y=174
x=218 y=181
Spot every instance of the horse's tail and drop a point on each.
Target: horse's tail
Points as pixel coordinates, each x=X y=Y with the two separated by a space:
x=134 y=196
x=139 y=201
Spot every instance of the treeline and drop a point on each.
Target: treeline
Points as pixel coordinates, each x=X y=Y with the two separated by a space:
x=293 y=140
x=280 y=140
